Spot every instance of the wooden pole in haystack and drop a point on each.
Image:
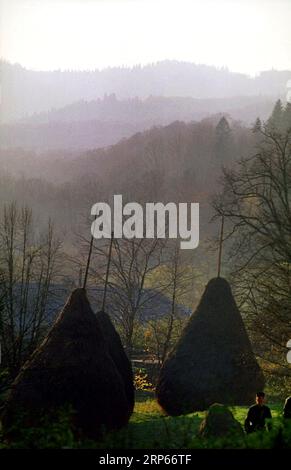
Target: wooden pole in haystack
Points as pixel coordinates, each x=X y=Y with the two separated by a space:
x=220 y=247
x=107 y=272
x=80 y=277
x=88 y=262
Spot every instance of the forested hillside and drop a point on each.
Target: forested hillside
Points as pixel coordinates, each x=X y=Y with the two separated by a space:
x=178 y=162
x=26 y=92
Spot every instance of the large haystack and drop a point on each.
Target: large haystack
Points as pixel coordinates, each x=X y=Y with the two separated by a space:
x=118 y=355
x=213 y=360
x=72 y=366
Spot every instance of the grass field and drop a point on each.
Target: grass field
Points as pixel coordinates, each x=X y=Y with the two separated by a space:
x=149 y=427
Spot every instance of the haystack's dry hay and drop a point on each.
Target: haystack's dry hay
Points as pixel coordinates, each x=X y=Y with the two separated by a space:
x=220 y=422
x=213 y=360
x=118 y=355
x=72 y=366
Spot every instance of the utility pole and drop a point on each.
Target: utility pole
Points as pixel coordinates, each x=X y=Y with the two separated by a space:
x=88 y=262
x=107 y=272
x=220 y=247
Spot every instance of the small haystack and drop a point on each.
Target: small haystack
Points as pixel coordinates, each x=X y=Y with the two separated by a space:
x=72 y=366
x=213 y=360
x=118 y=355
x=220 y=422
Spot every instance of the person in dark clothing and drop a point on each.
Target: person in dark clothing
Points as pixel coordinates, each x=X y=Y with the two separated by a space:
x=257 y=415
x=287 y=408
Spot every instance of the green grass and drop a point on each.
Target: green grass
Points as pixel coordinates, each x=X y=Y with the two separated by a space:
x=150 y=428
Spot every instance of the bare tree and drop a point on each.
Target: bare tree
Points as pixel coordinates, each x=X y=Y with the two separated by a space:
x=131 y=264
x=29 y=263
x=256 y=205
x=176 y=280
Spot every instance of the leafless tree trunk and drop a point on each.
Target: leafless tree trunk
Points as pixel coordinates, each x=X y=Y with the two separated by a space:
x=256 y=202
x=176 y=282
x=28 y=265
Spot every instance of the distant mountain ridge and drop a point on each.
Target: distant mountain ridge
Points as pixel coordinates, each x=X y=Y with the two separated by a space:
x=26 y=92
x=155 y=110
x=87 y=125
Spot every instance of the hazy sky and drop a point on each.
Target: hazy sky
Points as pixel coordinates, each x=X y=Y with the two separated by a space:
x=244 y=35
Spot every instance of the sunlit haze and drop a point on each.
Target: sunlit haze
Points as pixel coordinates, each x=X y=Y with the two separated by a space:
x=245 y=36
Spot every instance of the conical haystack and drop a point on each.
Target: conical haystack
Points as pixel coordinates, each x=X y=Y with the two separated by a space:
x=118 y=355
x=72 y=366
x=213 y=360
